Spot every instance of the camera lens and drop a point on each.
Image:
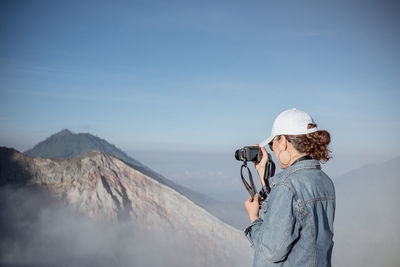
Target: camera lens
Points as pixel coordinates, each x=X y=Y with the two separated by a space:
x=237 y=154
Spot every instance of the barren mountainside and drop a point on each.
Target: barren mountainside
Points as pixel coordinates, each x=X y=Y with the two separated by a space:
x=107 y=189
x=66 y=144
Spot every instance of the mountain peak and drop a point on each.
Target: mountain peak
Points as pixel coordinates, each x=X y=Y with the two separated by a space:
x=66 y=144
x=64 y=132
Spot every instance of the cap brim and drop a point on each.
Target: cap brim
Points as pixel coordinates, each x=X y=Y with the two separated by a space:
x=266 y=141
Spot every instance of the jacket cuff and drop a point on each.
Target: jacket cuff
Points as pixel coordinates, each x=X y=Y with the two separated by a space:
x=248 y=231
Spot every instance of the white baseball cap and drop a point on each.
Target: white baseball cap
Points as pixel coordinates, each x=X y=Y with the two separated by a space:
x=290 y=122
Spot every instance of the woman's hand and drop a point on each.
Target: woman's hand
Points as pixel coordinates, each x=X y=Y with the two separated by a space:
x=260 y=166
x=252 y=207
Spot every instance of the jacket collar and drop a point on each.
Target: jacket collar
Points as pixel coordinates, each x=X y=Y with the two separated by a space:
x=303 y=164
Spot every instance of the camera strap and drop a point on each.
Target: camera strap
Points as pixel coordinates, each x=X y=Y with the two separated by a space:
x=269 y=172
x=251 y=188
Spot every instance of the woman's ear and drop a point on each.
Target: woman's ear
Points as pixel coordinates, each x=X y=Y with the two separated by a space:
x=283 y=143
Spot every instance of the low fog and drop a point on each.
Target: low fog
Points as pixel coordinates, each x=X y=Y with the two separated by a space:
x=37 y=230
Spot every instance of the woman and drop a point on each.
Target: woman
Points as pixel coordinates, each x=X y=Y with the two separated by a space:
x=295 y=224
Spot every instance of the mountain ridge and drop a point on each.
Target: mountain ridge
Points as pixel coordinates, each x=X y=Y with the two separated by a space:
x=102 y=159
x=66 y=144
x=104 y=188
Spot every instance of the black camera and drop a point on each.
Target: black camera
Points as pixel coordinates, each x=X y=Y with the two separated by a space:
x=254 y=153
x=249 y=153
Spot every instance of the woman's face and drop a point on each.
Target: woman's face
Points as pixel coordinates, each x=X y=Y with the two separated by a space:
x=275 y=148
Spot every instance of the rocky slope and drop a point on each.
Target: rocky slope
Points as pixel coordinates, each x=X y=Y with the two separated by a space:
x=66 y=144
x=108 y=190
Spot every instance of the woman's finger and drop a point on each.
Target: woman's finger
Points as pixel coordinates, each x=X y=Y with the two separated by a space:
x=264 y=151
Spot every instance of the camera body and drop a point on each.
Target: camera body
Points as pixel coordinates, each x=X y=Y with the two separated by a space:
x=249 y=153
x=254 y=154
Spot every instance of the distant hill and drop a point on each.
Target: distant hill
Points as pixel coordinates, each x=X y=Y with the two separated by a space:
x=367 y=220
x=66 y=144
x=160 y=222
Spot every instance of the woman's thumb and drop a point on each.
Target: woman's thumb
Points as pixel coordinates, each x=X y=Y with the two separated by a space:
x=256 y=197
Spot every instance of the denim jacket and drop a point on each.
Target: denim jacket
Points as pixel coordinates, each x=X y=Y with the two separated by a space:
x=295 y=227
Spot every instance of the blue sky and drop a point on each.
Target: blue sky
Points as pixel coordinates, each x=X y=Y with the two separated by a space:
x=201 y=75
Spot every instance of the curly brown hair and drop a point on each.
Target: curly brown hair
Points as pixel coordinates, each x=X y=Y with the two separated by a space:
x=313 y=144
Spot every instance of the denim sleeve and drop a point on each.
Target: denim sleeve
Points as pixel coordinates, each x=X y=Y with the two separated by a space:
x=274 y=236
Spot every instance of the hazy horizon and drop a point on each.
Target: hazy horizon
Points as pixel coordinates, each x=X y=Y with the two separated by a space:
x=201 y=76
x=216 y=174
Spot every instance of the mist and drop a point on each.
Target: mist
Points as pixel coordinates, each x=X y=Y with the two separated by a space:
x=367 y=221
x=38 y=230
